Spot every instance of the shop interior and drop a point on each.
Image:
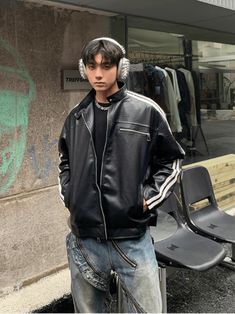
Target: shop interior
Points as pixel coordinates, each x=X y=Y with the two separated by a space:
x=193 y=81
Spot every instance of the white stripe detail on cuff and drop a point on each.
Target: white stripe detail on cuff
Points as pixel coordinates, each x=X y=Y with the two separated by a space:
x=155 y=200
x=60 y=190
x=58 y=178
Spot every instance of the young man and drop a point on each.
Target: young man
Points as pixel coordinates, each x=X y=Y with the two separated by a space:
x=119 y=161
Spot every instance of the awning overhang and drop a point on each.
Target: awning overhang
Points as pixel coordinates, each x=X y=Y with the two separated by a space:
x=195 y=19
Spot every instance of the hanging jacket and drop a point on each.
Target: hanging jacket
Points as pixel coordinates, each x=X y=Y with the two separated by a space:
x=141 y=159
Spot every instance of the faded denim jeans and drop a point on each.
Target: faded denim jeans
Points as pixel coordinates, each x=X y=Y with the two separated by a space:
x=92 y=263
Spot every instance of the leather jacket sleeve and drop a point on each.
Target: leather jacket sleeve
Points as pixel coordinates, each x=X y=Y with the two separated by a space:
x=64 y=170
x=165 y=167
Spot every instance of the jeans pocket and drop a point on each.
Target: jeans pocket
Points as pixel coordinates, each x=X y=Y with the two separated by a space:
x=85 y=257
x=77 y=257
x=124 y=256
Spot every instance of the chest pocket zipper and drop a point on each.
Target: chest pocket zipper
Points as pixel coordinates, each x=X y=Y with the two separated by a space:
x=123 y=255
x=137 y=132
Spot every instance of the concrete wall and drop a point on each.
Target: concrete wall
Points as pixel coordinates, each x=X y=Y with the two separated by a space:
x=36 y=43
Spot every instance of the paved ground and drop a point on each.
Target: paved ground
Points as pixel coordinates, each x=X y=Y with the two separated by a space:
x=208 y=292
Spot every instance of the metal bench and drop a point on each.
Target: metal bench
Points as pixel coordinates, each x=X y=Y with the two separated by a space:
x=207 y=219
x=177 y=246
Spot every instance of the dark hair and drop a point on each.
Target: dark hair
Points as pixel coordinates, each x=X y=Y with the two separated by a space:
x=109 y=51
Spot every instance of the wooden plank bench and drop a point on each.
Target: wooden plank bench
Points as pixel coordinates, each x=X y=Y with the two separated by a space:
x=222 y=172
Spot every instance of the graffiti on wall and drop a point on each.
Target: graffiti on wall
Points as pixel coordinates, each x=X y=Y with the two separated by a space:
x=42 y=167
x=14 y=108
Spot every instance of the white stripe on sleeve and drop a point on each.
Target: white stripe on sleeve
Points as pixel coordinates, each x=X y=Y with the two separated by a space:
x=155 y=200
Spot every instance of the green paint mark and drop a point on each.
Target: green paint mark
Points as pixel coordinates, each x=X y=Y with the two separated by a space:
x=13 y=120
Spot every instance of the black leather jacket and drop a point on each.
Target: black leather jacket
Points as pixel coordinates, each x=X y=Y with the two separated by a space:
x=141 y=160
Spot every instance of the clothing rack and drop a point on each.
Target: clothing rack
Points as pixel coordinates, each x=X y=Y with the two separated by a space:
x=157 y=58
x=194 y=134
x=173 y=61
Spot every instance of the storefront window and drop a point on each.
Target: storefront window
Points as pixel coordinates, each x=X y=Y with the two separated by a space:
x=157 y=66
x=215 y=65
x=204 y=126
x=154 y=47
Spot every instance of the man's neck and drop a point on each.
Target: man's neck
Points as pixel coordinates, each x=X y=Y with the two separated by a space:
x=101 y=96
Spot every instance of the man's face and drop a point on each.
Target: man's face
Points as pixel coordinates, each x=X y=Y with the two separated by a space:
x=102 y=75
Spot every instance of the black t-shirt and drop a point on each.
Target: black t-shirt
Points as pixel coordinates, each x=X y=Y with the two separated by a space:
x=99 y=133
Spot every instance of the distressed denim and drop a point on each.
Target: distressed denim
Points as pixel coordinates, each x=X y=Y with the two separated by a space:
x=92 y=264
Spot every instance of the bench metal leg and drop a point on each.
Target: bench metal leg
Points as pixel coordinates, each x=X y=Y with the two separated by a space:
x=229 y=261
x=162 y=277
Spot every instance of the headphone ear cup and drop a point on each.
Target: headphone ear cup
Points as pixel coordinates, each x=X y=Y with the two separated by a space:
x=123 y=68
x=82 y=69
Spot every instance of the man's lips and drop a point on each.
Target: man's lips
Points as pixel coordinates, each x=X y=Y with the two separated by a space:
x=99 y=83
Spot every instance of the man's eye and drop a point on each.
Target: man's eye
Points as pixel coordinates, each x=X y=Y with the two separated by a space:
x=91 y=66
x=107 y=66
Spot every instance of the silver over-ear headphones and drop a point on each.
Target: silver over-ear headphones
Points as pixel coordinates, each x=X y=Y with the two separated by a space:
x=123 y=66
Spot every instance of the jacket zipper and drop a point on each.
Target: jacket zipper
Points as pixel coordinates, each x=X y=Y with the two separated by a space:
x=100 y=201
x=105 y=144
x=123 y=255
x=138 y=132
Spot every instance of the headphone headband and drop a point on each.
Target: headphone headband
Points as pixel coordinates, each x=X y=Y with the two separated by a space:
x=112 y=41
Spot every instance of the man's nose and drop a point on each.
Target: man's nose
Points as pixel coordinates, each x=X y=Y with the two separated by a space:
x=98 y=72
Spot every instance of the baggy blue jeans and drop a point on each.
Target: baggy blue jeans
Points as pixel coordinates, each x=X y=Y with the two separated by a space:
x=91 y=265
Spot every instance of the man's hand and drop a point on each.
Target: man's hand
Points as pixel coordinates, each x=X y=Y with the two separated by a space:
x=145 y=206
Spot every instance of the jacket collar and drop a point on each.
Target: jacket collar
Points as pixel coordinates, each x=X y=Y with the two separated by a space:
x=86 y=109
x=119 y=95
